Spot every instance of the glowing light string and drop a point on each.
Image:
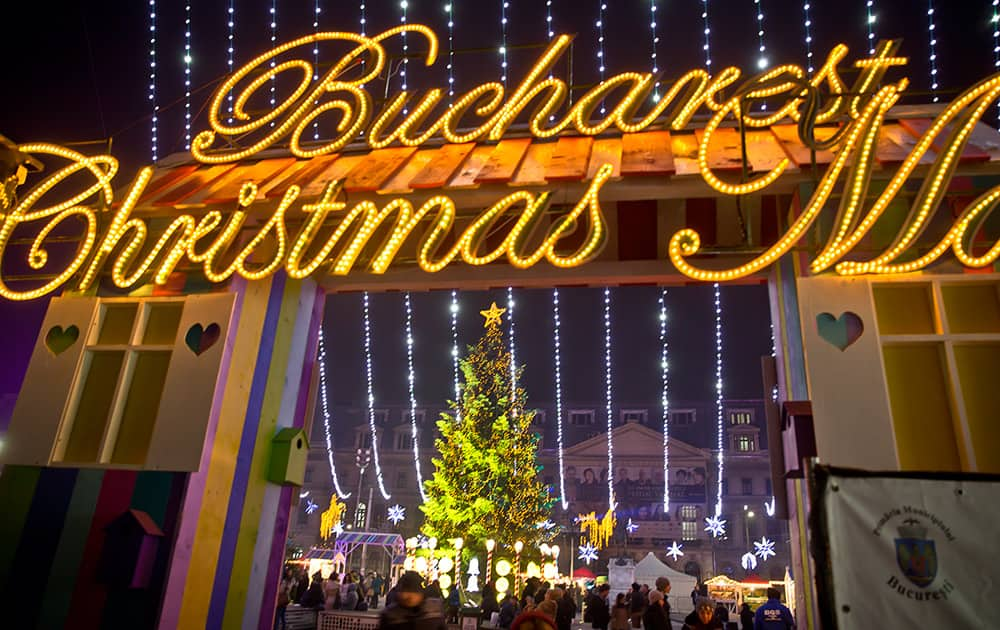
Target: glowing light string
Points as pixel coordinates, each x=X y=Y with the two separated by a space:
x=410 y=378
x=231 y=50
x=707 y=46
x=601 y=7
x=557 y=361
x=995 y=22
x=316 y=11
x=548 y=20
x=454 y=354
x=274 y=44
x=403 y=5
x=325 y=404
x=807 y=23
x=655 y=40
x=371 y=397
x=513 y=347
x=718 y=398
x=187 y=75
x=932 y=37
x=870 y=18
x=504 y=5
x=152 y=77
x=665 y=401
x=761 y=47
x=450 y=10
x=607 y=396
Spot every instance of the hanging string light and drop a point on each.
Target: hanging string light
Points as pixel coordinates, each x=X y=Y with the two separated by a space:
x=231 y=50
x=807 y=23
x=774 y=354
x=450 y=10
x=513 y=360
x=316 y=11
x=718 y=398
x=413 y=397
x=557 y=361
x=187 y=74
x=995 y=22
x=371 y=397
x=504 y=5
x=601 y=7
x=607 y=396
x=325 y=404
x=870 y=17
x=152 y=76
x=274 y=44
x=761 y=48
x=655 y=41
x=403 y=6
x=454 y=353
x=665 y=401
x=707 y=46
x=932 y=37
x=548 y=20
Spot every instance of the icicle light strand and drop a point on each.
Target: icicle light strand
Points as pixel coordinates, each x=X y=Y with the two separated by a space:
x=152 y=78
x=654 y=45
x=995 y=23
x=449 y=9
x=761 y=47
x=807 y=24
x=403 y=6
x=325 y=404
x=410 y=383
x=707 y=46
x=504 y=5
x=932 y=57
x=274 y=44
x=187 y=75
x=548 y=20
x=601 y=65
x=231 y=49
x=557 y=361
x=371 y=397
x=316 y=11
x=607 y=396
x=513 y=347
x=718 y=398
x=454 y=354
x=870 y=18
x=665 y=400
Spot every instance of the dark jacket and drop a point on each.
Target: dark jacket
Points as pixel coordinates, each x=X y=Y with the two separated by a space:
x=565 y=612
x=489 y=605
x=313 y=597
x=507 y=613
x=426 y=616
x=656 y=617
x=693 y=622
x=773 y=616
x=600 y=614
x=636 y=601
x=746 y=618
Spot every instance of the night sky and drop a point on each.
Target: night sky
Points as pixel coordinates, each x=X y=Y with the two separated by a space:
x=79 y=73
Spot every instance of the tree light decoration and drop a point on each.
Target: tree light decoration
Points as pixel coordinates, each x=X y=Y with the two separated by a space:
x=665 y=400
x=655 y=40
x=454 y=352
x=769 y=507
x=152 y=77
x=932 y=57
x=716 y=526
x=749 y=561
x=807 y=24
x=764 y=548
x=397 y=514
x=371 y=396
x=607 y=396
x=510 y=332
x=331 y=519
x=231 y=48
x=410 y=382
x=674 y=551
x=557 y=361
x=870 y=18
x=504 y=5
x=718 y=398
x=449 y=9
x=187 y=74
x=324 y=403
x=707 y=46
x=598 y=532
x=587 y=553
x=601 y=7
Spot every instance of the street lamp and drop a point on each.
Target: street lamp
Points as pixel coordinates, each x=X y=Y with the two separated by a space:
x=747 y=517
x=362 y=458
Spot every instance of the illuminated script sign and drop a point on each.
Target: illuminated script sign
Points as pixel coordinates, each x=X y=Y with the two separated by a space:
x=125 y=249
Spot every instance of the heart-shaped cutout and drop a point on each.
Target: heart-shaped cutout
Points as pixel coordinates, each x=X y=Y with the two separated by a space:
x=59 y=340
x=840 y=332
x=199 y=339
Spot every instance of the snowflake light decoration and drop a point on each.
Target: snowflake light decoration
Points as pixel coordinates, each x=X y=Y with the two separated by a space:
x=764 y=548
x=397 y=513
x=338 y=529
x=675 y=551
x=716 y=525
x=311 y=506
x=630 y=527
x=545 y=525
x=749 y=561
x=769 y=507
x=588 y=553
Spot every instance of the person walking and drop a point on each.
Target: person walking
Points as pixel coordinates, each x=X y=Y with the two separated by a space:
x=566 y=611
x=508 y=612
x=746 y=617
x=656 y=616
x=377 y=585
x=489 y=603
x=637 y=604
x=703 y=616
x=348 y=593
x=773 y=615
x=597 y=606
x=663 y=587
x=411 y=610
x=619 y=613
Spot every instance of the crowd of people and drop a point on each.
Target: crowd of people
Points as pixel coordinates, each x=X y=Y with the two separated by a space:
x=412 y=605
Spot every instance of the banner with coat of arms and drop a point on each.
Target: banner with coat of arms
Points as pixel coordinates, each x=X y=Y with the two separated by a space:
x=906 y=550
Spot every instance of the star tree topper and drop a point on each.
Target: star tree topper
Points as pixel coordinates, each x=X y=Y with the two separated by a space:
x=675 y=551
x=492 y=315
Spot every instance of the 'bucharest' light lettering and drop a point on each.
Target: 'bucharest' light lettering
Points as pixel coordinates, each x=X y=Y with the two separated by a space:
x=333 y=235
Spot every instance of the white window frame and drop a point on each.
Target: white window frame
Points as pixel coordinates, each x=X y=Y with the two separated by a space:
x=586 y=413
x=643 y=415
x=730 y=413
x=676 y=414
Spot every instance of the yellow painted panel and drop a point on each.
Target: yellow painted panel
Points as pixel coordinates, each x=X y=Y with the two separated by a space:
x=904 y=309
x=972 y=308
x=116 y=326
x=141 y=404
x=95 y=405
x=161 y=327
x=977 y=376
x=921 y=409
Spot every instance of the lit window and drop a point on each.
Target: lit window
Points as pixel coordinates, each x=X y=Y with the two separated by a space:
x=689 y=512
x=359 y=516
x=741 y=416
x=745 y=443
x=689 y=530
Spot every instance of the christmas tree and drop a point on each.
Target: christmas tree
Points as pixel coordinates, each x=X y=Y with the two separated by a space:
x=485 y=482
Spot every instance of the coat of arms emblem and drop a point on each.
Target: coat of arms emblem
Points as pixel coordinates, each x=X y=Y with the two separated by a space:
x=915 y=553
